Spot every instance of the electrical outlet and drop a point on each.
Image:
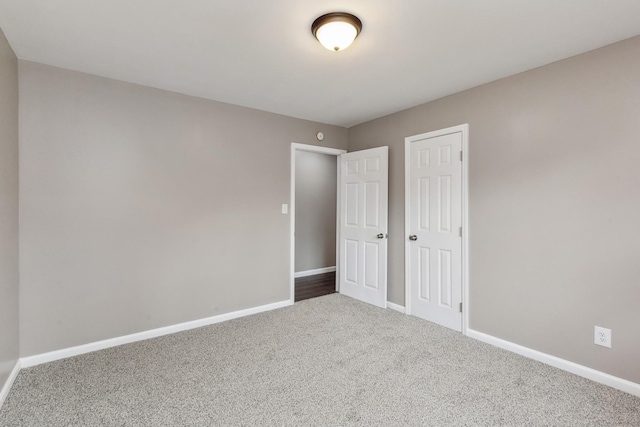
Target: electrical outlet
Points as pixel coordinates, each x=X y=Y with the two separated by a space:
x=602 y=336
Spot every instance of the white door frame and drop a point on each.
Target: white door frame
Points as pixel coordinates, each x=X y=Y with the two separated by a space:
x=292 y=210
x=464 y=129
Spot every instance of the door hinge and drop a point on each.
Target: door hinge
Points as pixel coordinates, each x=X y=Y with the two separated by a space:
x=461 y=156
x=460 y=231
x=460 y=307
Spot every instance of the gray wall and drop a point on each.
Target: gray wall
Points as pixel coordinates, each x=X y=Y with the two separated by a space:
x=554 y=203
x=142 y=208
x=316 y=198
x=8 y=210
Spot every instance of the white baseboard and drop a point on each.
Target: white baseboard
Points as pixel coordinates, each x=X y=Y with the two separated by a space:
x=396 y=307
x=126 y=339
x=565 y=365
x=7 y=385
x=314 y=272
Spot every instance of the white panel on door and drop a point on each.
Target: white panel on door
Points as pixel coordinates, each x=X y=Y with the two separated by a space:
x=444 y=157
x=364 y=221
x=351 y=217
x=424 y=274
x=444 y=205
x=444 y=277
x=424 y=157
x=424 y=213
x=372 y=204
x=352 y=167
x=372 y=164
x=351 y=261
x=371 y=268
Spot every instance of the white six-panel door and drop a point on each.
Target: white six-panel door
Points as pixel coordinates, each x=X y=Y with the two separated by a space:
x=363 y=225
x=434 y=242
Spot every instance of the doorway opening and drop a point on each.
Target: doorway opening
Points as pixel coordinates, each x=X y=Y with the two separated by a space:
x=314 y=208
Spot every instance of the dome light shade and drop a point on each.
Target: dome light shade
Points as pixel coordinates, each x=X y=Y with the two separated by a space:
x=337 y=30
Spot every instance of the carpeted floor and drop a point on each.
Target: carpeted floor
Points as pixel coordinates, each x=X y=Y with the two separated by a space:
x=329 y=361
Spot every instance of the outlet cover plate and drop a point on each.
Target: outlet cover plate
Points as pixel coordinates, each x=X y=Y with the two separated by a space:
x=602 y=336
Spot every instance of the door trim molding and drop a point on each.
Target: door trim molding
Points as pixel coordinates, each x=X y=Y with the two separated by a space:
x=396 y=307
x=464 y=130
x=292 y=210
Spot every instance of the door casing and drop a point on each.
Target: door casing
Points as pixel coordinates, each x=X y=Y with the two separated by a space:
x=464 y=130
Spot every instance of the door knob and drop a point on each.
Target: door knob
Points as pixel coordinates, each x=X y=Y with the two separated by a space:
x=381 y=236
x=413 y=237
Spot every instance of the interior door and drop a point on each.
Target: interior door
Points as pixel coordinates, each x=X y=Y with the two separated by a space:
x=363 y=225
x=435 y=226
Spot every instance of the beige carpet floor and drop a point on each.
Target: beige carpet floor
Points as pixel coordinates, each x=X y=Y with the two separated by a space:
x=329 y=361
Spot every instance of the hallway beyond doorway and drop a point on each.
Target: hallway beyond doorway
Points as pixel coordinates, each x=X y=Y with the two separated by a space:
x=315 y=286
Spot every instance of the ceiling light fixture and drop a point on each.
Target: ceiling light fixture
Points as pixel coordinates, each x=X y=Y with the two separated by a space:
x=336 y=30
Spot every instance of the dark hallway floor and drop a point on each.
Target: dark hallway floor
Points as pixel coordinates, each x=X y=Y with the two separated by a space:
x=315 y=286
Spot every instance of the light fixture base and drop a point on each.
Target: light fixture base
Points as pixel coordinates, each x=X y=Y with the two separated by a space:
x=336 y=30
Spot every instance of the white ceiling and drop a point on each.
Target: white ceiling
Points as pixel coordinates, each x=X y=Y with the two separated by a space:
x=262 y=54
